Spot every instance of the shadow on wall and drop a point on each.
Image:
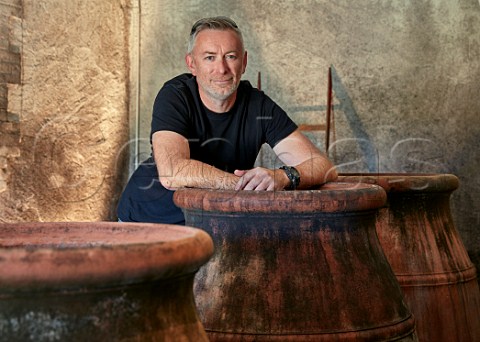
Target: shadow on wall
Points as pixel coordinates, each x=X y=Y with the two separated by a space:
x=358 y=153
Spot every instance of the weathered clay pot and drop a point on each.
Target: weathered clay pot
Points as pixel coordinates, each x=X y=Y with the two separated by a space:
x=100 y=282
x=427 y=255
x=295 y=266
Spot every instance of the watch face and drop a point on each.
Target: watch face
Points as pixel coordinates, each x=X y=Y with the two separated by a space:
x=295 y=172
x=296 y=176
x=293 y=175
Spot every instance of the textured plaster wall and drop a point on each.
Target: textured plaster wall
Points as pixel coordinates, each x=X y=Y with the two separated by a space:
x=405 y=79
x=70 y=107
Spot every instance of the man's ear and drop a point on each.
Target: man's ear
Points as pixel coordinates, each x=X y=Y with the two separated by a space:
x=190 y=64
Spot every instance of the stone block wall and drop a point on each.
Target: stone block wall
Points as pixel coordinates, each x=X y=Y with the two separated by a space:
x=11 y=14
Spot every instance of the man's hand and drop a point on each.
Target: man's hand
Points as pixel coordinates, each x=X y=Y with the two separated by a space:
x=260 y=179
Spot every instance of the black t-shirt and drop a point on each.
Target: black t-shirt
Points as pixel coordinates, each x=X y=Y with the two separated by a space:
x=228 y=141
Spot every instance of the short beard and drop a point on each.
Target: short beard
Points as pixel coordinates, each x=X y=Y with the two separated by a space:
x=222 y=96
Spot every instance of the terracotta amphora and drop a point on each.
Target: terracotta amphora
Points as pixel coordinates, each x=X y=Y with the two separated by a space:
x=296 y=266
x=100 y=281
x=426 y=253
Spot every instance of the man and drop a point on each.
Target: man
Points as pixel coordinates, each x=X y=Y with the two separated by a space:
x=207 y=130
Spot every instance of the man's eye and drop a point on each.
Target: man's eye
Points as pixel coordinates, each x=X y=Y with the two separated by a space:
x=209 y=58
x=231 y=57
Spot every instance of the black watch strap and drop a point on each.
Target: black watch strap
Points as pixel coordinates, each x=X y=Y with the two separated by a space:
x=293 y=175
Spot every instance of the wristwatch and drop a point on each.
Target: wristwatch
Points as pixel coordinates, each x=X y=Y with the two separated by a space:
x=293 y=175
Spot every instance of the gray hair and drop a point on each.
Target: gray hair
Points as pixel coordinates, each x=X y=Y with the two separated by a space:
x=213 y=23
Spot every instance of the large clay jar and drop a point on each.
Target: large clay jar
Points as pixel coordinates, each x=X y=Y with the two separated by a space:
x=100 y=282
x=427 y=255
x=296 y=266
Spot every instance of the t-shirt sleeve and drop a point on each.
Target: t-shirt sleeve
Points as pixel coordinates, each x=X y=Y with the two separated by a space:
x=278 y=124
x=170 y=111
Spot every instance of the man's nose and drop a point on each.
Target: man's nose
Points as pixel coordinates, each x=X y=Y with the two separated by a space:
x=222 y=66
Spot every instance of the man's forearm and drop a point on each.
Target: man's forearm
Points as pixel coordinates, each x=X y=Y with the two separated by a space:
x=175 y=168
x=315 y=171
x=193 y=173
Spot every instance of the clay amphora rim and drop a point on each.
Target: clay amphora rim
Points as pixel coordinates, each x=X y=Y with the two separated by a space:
x=405 y=182
x=329 y=198
x=169 y=251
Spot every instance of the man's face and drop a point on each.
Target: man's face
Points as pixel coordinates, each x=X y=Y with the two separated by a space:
x=218 y=61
